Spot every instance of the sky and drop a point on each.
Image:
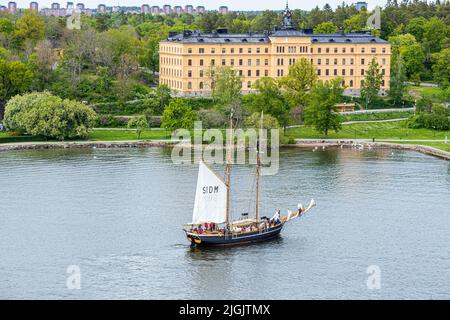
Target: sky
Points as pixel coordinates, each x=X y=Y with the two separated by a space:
x=209 y=4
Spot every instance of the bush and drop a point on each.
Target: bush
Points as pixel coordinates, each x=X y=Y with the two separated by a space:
x=212 y=119
x=49 y=116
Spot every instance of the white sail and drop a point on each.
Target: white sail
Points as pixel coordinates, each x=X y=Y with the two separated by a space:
x=210 y=198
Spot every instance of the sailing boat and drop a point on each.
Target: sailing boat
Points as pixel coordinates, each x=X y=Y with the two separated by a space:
x=211 y=223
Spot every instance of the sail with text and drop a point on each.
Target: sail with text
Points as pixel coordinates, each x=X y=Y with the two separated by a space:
x=210 y=198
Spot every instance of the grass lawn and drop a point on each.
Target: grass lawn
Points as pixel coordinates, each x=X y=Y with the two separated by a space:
x=429 y=92
x=381 y=130
x=116 y=135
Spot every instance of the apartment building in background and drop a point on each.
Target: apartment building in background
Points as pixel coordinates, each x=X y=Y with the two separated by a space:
x=186 y=58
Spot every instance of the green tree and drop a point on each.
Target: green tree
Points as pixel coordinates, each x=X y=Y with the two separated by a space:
x=416 y=27
x=321 y=111
x=15 y=78
x=414 y=58
x=301 y=78
x=269 y=99
x=30 y=26
x=326 y=28
x=441 y=67
x=138 y=124
x=226 y=87
x=178 y=115
x=372 y=83
x=397 y=81
x=435 y=32
x=268 y=121
x=49 y=116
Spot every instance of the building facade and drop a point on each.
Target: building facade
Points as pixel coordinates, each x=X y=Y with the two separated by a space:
x=186 y=59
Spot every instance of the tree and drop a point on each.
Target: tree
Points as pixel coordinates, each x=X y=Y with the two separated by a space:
x=301 y=78
x=270 y=100
x=414 y=58
x=320 y=111
x=435 y=32
x=30 y=26
x=372 y=83
x=268 y=121
x=139 y=124
x=49 y=116
x=164 y=94
x=326 y=28
x=416 y=27
x=15 y=77
x=226 y=87
x=398 y=81
x=178 y=115
x=441 y=67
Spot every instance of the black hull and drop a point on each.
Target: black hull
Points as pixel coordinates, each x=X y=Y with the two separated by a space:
x=237 y=239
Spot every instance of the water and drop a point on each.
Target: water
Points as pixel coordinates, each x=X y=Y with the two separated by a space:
x=118 y=214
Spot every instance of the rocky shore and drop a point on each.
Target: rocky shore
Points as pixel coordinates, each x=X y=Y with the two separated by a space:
x=314 y=144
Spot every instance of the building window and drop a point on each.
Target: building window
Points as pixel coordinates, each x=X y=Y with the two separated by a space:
x=373 y=50
x=266 y=73
x=352 y=61
x=266 y=62
x=249 y=62
x=343 y=50
x=327 y=61
x=213 y=62
x=351 y=83
x=200 y=85
x=241 y=50
x=224 y=62
x=201 y=62
x=249 y=50
x=249 y=84
x=201 y=73
x=257 y=73
x=232 y=50
x=258 y=62
x=190 y=50
x=189 y=73
x=189 y=85
x=363 y=50
x=224 y=50
x=240 y=73
x=335 y=72
x=343 y=61
x=335 y=50
x=351 y=72
x=382 y=83
x=335 y=61
x=383 y=50
x=232 y=62
x=266 y=50
x=352 y=50
x=362 y=61
x=383 y=71
x=189 y=62
x=343 y=72
x=213 y=50
x=249 y=73
x=319 y=61
x=362 y=72
x=383 y=61
x=241 y=62
x=258 y=50
x=201 y=50
x=319 y=50
x=319 y=72
x=327 y=50
x=327 y=72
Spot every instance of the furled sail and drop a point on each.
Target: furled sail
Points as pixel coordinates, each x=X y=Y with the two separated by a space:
x=210 y=198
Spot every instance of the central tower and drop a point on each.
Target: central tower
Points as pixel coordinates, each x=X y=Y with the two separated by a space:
x=287 y=19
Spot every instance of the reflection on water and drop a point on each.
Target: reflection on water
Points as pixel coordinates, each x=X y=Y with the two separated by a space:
x=118 y=215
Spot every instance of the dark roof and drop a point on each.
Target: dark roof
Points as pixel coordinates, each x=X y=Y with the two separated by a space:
x=197 y=37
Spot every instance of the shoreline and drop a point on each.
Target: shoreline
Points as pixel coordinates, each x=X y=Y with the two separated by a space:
x=361 y=144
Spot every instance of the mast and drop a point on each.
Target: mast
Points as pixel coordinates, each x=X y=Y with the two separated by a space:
x=258 y=169
x=228 y=167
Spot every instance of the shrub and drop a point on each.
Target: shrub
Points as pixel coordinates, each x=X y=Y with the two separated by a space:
x=46 y=115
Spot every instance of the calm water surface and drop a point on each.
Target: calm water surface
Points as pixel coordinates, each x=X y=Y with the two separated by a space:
x=118 y=214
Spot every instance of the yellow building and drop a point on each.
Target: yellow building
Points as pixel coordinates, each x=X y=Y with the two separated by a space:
x=185 y=59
